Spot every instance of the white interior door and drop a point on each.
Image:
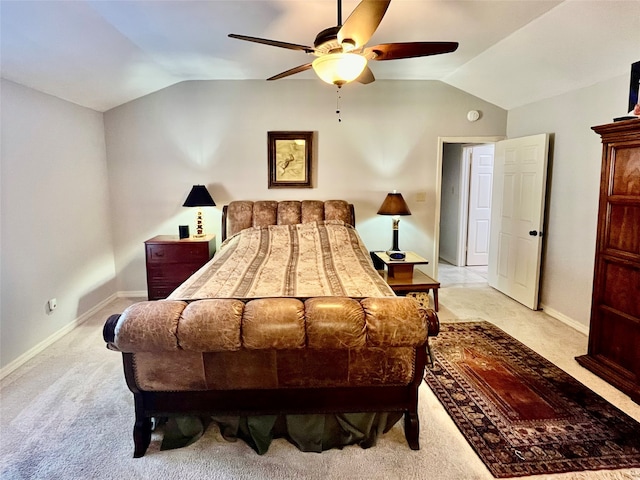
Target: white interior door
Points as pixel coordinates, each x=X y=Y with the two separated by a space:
x=520 y=173
x=478 y=230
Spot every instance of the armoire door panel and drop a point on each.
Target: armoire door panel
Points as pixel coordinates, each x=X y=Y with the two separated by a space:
x=624 y=228
x=626 y=171
x=621 y=289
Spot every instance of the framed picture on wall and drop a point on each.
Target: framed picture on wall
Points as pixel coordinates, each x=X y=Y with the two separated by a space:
x=290 y=159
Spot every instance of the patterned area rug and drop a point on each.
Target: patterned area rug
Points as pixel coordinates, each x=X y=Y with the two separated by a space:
x=522 y=414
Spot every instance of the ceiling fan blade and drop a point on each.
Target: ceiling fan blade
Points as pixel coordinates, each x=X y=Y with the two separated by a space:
x=363 y=22
x=273 y=43
x=292 y=71
x=366 y=76
x=395 y=51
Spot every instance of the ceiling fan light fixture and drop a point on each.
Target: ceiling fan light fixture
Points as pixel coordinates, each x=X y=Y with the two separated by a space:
x=339 y=68
x=340 y=50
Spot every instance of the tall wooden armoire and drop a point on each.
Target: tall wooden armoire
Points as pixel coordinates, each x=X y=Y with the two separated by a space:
x=614 y=335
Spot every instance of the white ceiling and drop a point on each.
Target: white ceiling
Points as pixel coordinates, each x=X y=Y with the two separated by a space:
x=102 y=53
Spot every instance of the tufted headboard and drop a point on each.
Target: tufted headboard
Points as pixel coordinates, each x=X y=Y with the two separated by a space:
x=242 y=214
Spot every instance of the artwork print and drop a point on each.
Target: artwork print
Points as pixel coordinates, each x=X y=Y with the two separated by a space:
x=290 y=159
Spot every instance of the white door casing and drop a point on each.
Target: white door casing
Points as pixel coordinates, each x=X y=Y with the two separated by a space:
x=519 y=187
x=478 y=230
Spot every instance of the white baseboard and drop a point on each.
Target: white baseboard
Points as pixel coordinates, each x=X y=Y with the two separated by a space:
x=565 y=319
x=29 y=354
x=132 y=294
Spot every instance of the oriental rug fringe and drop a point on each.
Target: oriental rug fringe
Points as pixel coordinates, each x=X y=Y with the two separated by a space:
x=522 y=414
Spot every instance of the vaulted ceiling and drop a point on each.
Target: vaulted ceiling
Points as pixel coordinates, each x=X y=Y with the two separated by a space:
x=103 y=53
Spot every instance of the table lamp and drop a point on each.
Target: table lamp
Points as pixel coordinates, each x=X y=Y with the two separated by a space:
x=395 y=205
x=199 y=197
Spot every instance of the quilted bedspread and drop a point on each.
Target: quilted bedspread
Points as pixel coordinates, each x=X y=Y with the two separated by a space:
x=303 y=260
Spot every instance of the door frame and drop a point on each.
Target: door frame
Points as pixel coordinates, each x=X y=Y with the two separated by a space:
x=439 y=155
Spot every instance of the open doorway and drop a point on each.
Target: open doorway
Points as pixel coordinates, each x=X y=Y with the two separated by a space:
x=518 y=202
x=453 y=235
x=465 y=203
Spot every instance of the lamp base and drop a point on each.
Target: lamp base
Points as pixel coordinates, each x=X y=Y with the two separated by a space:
x=396 y=254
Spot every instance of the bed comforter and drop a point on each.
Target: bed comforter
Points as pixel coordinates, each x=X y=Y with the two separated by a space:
x=314 y=259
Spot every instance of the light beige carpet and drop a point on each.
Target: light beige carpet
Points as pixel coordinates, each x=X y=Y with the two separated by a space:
x=67 y=414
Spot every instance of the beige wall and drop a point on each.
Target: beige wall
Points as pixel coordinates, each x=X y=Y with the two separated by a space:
x=57 y=238
x=574 y=180
x=215 y=133
x=55 y=226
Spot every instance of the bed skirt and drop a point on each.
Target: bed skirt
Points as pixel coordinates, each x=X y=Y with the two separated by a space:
x=309 y=432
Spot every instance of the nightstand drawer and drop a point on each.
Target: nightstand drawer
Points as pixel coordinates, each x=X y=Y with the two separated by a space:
x=174 y=274
x=166 y=253
x=158 y=292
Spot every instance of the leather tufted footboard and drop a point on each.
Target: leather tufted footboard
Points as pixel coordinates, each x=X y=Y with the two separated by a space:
x=271 y=356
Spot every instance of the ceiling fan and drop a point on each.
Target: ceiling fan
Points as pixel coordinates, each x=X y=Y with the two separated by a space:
x=341 y=53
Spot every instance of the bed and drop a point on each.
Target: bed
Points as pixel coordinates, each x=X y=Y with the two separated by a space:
x=288 y=319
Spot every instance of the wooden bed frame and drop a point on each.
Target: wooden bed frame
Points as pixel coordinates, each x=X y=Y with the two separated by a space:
x=383 y=398
x=149 y=405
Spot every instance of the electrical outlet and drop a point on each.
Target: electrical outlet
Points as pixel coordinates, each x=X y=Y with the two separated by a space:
x=52 y=304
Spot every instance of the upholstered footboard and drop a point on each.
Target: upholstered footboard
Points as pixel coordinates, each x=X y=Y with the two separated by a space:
x=272 y=356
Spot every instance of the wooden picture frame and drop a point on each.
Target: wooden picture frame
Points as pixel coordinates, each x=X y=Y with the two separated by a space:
x=290 y=159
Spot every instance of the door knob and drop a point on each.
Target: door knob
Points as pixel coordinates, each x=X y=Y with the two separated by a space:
x=534 y=233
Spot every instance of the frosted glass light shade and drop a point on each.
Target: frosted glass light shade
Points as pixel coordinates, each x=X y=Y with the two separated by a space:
x=339 y=68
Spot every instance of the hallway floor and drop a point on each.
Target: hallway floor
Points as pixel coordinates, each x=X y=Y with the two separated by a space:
x=452 y=276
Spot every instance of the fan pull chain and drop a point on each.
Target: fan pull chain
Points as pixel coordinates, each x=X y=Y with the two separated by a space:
x=338 y=97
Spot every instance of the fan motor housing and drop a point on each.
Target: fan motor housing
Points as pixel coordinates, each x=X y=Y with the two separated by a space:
x=327 y=41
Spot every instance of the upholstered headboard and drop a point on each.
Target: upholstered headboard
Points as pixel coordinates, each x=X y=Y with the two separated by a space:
x=242 y=214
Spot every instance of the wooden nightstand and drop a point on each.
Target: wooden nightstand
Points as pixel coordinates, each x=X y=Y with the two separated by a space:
x=170 y=261
x=403 y=278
